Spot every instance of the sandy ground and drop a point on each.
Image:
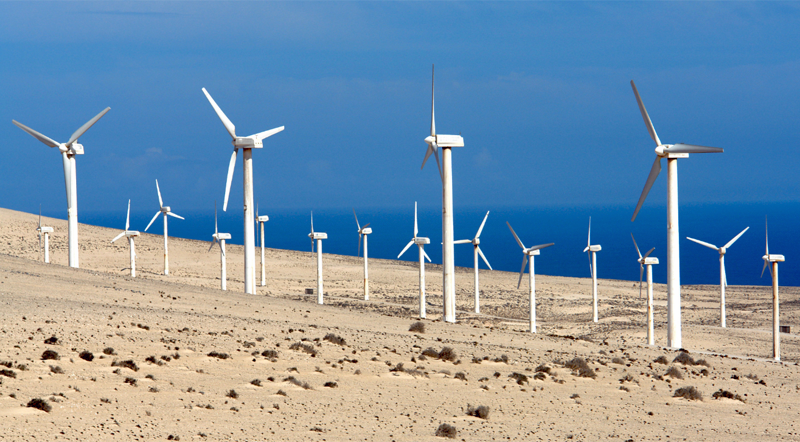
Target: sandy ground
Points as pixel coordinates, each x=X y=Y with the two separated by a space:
x=353 y=387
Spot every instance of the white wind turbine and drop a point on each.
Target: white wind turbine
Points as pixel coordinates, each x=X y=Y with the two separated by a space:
x=318 y=237
x=723 y=280
x=261 y=220
x=529 y=252
x=420 y=242
x=364 y=231
x=166 y=211
x=445 y=142
x=68 y=151
x=772 y=261
x=645 y=261
x=476 y=250
x=592 y=251
x=219 y=238
x=247 y=144
x=46 y=231
x=130 y=234
x=671 y=152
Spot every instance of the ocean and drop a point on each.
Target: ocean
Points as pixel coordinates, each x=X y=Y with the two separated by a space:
x=564 y=226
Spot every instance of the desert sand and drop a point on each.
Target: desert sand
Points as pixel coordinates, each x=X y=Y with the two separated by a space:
x=351 y=369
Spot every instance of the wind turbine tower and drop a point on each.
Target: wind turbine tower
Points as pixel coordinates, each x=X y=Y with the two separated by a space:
x=46 y=231
x=592 y=251
x=772 y=261
x=68 y=151
x=220 y=238
x=261 y=220
x=723 y=280
x=476 y=250
x=446 y=143
x=247 y=144
x=645 y=261
x=130 y=234
x=165 y=211
x=672 y=152
x=420 y=242
x=364 y=232
x=318 y=237
x=529 y=253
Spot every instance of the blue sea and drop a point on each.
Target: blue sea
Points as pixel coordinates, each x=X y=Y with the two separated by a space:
x=565 y=226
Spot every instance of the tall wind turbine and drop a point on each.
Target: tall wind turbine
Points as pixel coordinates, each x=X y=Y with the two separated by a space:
x=219 y=238
x=723 y=280
x=645 y=261
x=46 y=231
x=363 y=232
x=529 y=252
x=166 y=211
x=130 y=234
x=772 y=261
x=68 y=151
x=671 y=152
x=247 y=144
x=318 y=237
x=592 y=251
x=476 y=250
x=420 y=242
x=445 y=142
x=261 y=220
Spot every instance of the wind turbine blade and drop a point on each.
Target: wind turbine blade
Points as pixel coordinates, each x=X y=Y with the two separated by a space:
x=522 y=270
x=427 y=155
x=266 y=134
x=730 y=243
x=462 y=241
x=426 y=255
x=724 y=276
x=641 y=273
x=703 y=243
x=438 y=164
x=591 y=271
x=215 y=218
x=416 y=230
x=766 y=233
x=480 y=229
x=356 y=216
x=152 y=220
x=160 y=201
x=39 y=136
x=765 y=268
x=225 y=121
x=540 y=246
x=118 y=237
x=228 y=180
x=220 y=248
x=645 y=116
x=128 y=218
x=312 y=221
x=40 y=214
x=366 y=225
x=212 y=244
x=480 y=252
x=359 y=244
x=515 y=236
x=654 y=171
x=691 y=148
x=589 y=238
x=433 y=118
x=67 y=175
x=40 y=230
x=175 y=215
x=649 y=252
x=86 y=127
x=405 y=248
x=637 y=247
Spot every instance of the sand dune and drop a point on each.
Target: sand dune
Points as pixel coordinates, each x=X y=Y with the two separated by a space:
x=283 y=380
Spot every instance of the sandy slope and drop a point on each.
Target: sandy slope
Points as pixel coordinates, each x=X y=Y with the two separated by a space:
x=100 y=307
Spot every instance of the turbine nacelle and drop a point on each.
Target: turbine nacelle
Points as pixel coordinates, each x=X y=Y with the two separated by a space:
x=529 y=252
x=648 y=261
x=365 y=231
x=773 y=258
x=221 y=236
x=420 y=241
x=165 y=209
x=596 y=248
x=445 y=140
x=318 y=235
x=73 y=149
x=250 y=142
x=45 y=229
x=262 y=218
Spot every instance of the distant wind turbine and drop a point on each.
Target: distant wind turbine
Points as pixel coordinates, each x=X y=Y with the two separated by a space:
x=219 y=238
x=68 y=151
x=529 y=252
x=671 y=152
x=318 y=237
x=46 y=231
x=166 y=211
x=723 y=280
x=420 y=242
x=261 y=220
x=772 y=261
x=364 y=232
x=592 y=250
x=130 y=234
x=645 y=261
x=476 y=250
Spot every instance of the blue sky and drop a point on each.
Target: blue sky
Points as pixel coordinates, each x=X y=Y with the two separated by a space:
x=540 y=91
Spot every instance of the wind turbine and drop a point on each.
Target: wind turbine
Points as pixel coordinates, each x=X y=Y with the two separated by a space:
x=723 y=280
x=164 y=210
x=772 y=261
x=363 y=232
x=529 y=252
x=46 y=231
x=261 y=220
x=420 y=242
x=247 y=144
x=476 y=250
x=130 y=234
x=68 y=151
x=592 y=250
x=445 y=142
x=219 y=238
x=645 y=261
x=671 y=152
x=318 y=237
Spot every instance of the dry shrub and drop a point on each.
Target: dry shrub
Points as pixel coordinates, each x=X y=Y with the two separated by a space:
x=618 y=361
x=519 y=377
x=232 y=394
x=52 y=340
x=108 y=351
x=417 y=327
x=57 y=369
x=446 y=430
x=270 y=354
x=334 y=339
x=215 y=354
x=50 y=354
x=331 y=384
x=461 y=376
x=726 y=394
x=256 y=382
x=685 y=359
x=503 y=359
x=299 y=383
x=580 y=366
x=41 y=404
x=153 y=360
x=542 y=369
x=662 y=360
x=674 y=372
x=281 y=393
x=447 y=354
x=540 y=376
x=7 y=364
x=481 y=411
x=689 y=393
x=8 y=373
x=129 y=364
x=131 y=381
x=430 y=352
x=305 y=348
x=86 y=356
